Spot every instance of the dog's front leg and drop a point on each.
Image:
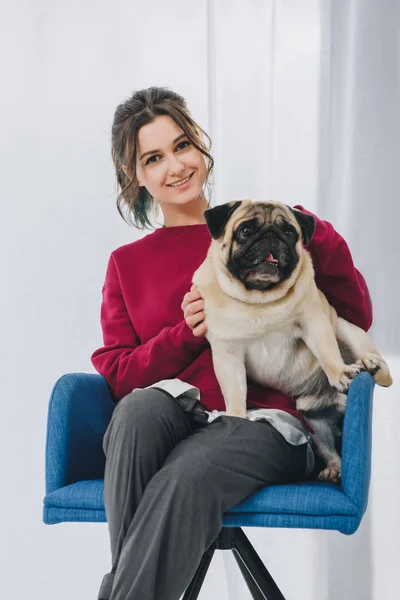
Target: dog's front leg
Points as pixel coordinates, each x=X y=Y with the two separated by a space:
x=364 y=351
x=318 y=335
x=230 y=370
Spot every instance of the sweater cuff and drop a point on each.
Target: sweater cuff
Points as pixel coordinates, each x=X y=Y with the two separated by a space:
x=182 y=340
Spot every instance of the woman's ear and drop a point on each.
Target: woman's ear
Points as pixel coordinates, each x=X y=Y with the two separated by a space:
x=139 y=182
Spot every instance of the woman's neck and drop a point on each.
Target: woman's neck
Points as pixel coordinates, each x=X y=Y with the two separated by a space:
x=180 y=219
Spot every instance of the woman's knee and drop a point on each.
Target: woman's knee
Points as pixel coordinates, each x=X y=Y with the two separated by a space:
x=148 y=417
x=188 y=472
x=142 y=407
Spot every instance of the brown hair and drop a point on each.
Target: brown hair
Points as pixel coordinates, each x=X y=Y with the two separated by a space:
x=140 y=109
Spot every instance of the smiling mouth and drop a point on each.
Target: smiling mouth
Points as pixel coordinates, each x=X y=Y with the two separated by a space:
x=178 y=183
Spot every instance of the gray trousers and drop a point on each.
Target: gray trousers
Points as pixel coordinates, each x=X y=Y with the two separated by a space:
x=168 y=480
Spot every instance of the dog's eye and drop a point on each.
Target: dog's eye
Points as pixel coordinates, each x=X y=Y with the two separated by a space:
x=291 y=234
x=244 y=232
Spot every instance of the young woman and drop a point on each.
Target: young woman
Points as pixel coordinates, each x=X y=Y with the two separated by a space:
x=171 y=473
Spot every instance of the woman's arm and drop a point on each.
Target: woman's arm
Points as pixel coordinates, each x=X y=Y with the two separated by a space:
x=123 y=361
x=336 y=276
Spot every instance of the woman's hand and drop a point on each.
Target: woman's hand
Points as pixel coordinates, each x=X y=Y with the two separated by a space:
x=193 y=311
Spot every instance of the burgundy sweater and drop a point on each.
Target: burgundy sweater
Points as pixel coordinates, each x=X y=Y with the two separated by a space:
x=145 y=336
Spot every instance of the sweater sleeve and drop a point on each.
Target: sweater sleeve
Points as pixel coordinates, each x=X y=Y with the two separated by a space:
x=127 y=364
x=336 y=276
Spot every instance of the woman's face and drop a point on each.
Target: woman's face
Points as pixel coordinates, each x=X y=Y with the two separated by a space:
x=163 y=159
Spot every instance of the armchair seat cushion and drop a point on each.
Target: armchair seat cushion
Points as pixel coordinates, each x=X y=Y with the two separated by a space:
x=302 y=504
x=88 y=495
x=311 y=498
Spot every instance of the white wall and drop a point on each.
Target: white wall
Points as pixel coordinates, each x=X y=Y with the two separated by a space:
x=250 y=75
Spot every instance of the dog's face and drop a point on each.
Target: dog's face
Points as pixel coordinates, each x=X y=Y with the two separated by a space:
x=260 y=242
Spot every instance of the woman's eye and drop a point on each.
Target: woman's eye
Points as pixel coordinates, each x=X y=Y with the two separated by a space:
x=185 y=142
x=149 y=160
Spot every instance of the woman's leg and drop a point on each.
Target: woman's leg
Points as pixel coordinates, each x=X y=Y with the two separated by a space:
x=180 y=514
x=145 y=426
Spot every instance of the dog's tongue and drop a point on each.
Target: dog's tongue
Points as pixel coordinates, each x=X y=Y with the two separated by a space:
x=270 y=258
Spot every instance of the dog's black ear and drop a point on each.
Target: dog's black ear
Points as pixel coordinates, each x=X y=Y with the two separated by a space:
x=306 y=222
x=218 y=217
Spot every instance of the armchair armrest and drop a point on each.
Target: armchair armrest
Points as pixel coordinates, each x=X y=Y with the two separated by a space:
x=79 y=412
x=357 y=440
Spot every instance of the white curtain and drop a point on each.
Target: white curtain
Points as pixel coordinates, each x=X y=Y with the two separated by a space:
x=359 y=182
x=301 y=99
x=359 y=145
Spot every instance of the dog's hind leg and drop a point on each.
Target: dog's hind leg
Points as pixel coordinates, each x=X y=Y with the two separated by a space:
x=324 y=438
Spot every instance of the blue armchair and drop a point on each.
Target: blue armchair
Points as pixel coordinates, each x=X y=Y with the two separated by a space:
x=80 y=409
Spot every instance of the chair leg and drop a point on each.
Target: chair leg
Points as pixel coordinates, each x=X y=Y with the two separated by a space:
x=256 y=568
x=257 y=577
x=193 y=590
x=251 y=584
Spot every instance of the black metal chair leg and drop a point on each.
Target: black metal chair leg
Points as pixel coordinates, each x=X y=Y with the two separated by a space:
x=256 y=567
x=257 y=577
x=193 y=590
x=255 y=591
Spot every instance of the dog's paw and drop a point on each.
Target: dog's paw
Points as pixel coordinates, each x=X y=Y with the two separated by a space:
x=305 y=403
x=377 y=367
x=332 y=473
x=345 y=378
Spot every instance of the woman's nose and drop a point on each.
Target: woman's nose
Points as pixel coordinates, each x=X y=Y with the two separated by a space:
x=175 y=166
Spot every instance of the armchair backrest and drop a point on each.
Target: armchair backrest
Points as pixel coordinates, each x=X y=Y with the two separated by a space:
x=79 y=412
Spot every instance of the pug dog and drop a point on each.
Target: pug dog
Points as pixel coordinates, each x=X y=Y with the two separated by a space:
x=266 y=319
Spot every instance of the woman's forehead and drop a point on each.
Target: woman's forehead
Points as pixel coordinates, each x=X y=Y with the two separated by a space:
x=158 y=134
